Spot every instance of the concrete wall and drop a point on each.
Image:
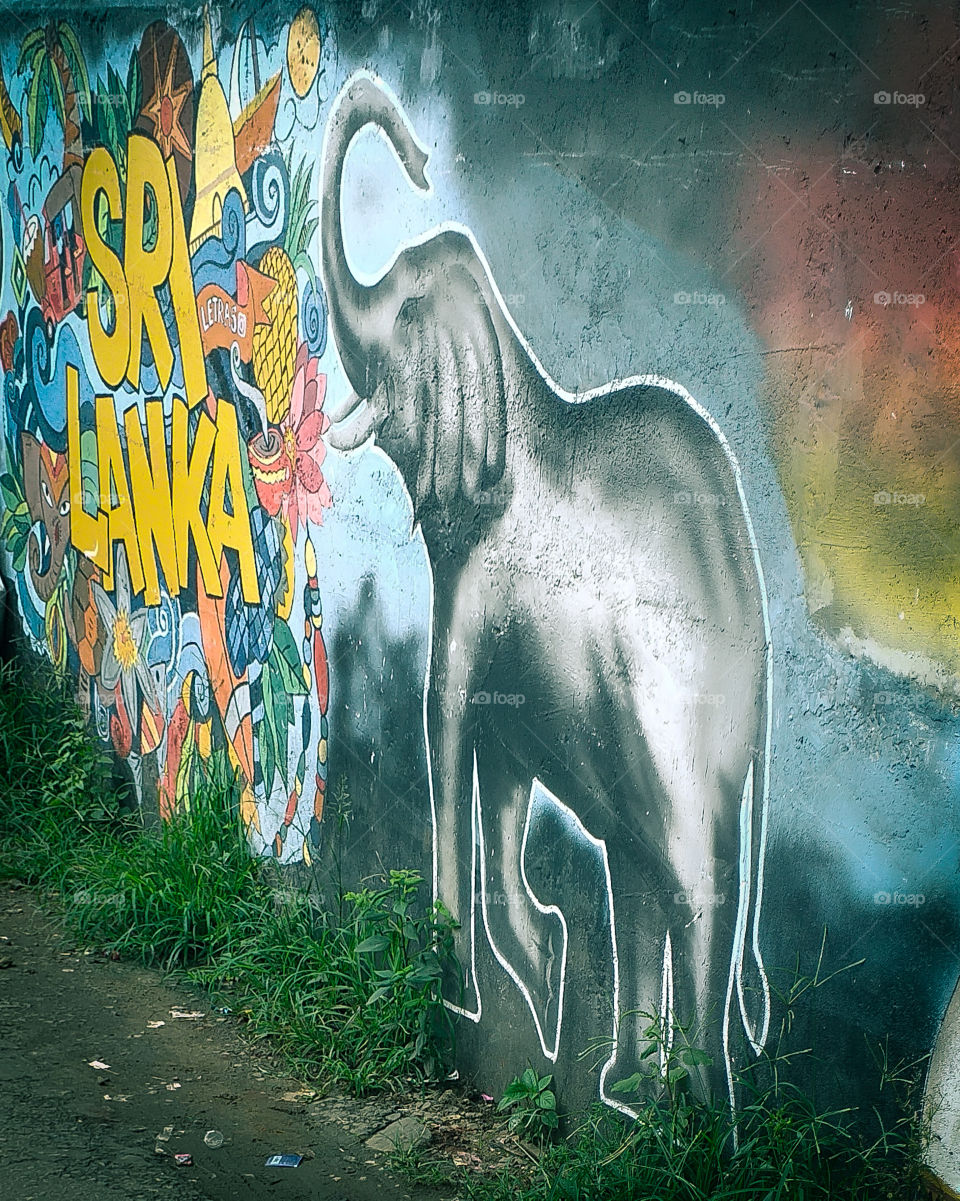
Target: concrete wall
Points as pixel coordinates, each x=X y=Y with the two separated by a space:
x=543 y=422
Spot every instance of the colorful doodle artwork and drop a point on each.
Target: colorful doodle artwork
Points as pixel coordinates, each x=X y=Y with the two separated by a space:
x=164 y=490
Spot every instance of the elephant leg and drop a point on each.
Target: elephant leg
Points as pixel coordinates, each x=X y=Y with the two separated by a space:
x=528 y=938
x=678 y=954
x=455 y=851
x=712 y=954
x=644 y=976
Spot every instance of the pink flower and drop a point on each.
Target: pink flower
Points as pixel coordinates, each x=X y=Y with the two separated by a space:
x=302 y=430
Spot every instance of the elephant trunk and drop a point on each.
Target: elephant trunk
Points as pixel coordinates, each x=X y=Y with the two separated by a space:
x=361 y=316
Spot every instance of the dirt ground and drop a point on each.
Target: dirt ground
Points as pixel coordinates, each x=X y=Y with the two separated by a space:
x=72 y=1132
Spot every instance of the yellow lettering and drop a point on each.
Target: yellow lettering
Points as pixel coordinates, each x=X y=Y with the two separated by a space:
x=231 y=529
x=184 y=301
x=113 y=481
x=110 y=350
x=87 y=532
x=150 y=484
x=189 y=475
x=147 y=270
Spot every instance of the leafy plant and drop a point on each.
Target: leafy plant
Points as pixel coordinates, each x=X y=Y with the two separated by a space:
x=58 y=74
x=115 y=106
x=303 y=222
x=677 y=1058
x=349 y=994
x=53 y=777
x=353 y=997
x=15 y=523
x=533 y=1105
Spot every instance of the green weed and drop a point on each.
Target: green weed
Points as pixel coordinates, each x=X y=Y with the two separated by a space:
x=533 y=1105
x=351 y=996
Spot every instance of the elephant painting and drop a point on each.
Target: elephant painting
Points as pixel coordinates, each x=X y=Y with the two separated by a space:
x=45 y=484
x=592 y=554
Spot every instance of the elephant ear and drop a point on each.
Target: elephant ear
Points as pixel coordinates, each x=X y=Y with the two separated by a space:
x=30 y=448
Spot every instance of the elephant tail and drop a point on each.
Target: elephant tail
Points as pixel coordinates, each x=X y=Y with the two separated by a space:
x=753 y=986
x=362 y=316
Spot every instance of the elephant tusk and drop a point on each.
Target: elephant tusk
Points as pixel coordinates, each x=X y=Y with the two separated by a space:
x=350 y=434
x=346 y=408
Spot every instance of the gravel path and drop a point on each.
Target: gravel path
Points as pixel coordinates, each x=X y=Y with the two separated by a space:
x=71 y=1132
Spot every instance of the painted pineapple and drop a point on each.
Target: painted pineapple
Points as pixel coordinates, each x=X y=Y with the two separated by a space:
x=275 y=345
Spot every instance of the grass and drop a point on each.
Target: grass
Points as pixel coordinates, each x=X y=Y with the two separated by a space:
x=686 y=1145
x=787 y=1152
x=351 y=996
x=681 y=1148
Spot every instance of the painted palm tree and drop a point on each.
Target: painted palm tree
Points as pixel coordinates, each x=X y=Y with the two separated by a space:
x=58 y=76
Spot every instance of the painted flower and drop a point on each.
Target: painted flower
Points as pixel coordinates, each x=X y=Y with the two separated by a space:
x=123 y=668
x=286 y=462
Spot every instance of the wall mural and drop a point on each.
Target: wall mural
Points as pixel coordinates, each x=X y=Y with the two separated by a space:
x=666 y=613
x=387 y=401
x=165 y=414
x=167 y=426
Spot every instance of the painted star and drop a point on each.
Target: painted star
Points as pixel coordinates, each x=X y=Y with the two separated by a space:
x=166 y=106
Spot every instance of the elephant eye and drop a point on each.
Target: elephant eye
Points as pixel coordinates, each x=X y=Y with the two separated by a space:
x=64 y=508
x=46 y=493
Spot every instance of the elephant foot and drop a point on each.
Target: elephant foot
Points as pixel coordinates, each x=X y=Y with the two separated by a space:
x=459 y=988
x=638 y=1060
x=536 y=961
